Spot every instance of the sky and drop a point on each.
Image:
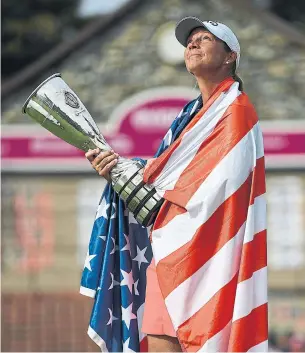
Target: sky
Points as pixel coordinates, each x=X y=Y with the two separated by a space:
x=89 y=8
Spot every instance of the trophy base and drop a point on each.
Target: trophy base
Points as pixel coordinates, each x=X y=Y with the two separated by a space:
x=141 y=199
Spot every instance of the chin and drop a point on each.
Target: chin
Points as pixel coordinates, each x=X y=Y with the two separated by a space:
x=197 y=69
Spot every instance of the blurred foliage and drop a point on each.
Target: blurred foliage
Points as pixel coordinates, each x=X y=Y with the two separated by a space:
x=31 y=28
x=292 y=11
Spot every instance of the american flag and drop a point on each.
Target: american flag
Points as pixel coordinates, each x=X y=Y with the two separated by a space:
x=208 y=240
x=118 y=255
x=115 y=275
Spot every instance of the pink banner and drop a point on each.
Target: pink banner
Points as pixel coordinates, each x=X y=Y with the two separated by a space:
x=285 y=143
x=129 y=145
x=138 y=128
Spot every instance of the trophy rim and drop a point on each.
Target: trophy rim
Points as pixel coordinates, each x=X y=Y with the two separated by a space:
x=36 y=89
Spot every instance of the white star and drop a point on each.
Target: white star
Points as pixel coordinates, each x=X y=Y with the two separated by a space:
x=111 y=318
x=136 y=292
x=87 y=261
x=102 y=209
x=127 y=246
x=113 y=282
x=131 y=219
x=128 y=315
x=141 y=256
x=115 y=247
x=114 y=213
x=102 y=237
x=127 y=280
x=113 y=250
x=126 y=346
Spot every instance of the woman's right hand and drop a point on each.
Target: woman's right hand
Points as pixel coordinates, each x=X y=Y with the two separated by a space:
x=102 y=162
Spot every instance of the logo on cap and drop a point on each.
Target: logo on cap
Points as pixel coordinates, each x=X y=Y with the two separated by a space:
x=213 y=23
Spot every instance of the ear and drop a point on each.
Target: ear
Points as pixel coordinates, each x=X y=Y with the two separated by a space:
x=230 y=58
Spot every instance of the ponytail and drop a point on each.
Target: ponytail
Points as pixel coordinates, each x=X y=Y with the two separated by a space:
x=233 y=70
x=239 y=80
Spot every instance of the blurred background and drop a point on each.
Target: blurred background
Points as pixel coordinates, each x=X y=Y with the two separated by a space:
x=123 y=61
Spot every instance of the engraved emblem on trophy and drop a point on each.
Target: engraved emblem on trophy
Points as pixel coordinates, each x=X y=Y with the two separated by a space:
x=57 y=108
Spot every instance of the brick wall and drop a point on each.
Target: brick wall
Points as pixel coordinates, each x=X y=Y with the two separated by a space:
x=46 y=323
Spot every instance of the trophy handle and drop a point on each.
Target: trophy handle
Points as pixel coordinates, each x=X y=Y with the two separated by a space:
x=141 y=199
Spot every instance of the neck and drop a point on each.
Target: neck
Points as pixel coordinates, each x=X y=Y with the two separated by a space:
x=207 y=85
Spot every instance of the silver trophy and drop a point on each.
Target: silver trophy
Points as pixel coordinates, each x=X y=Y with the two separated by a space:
x=58 y=109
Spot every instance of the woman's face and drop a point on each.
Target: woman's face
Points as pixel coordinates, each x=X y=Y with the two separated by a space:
x=204 y=52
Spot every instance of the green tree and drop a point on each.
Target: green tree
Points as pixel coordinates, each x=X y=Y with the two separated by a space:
x=292 y=11
x=31 y=28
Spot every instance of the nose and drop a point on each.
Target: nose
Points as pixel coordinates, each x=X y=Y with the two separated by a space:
x=194 y=44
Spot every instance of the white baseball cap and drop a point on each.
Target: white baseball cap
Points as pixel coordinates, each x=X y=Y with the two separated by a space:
x=221 y=31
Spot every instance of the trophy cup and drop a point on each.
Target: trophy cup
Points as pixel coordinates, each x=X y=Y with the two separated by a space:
x=58 y=109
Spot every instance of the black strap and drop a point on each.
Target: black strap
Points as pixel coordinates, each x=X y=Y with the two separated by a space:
x=132 y=194
x=143 y=202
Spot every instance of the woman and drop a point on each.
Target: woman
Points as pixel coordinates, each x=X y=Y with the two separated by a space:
x=204 y=293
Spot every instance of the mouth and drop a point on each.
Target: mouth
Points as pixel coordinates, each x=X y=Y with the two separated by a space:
x=193 y=55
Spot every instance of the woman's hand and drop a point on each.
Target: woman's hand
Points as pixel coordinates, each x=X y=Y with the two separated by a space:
x=102 y=162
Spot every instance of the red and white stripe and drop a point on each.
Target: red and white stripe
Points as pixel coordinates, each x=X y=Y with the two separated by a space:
x=209 y=239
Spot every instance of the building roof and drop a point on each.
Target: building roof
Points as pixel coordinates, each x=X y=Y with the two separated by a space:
x=121 y=58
